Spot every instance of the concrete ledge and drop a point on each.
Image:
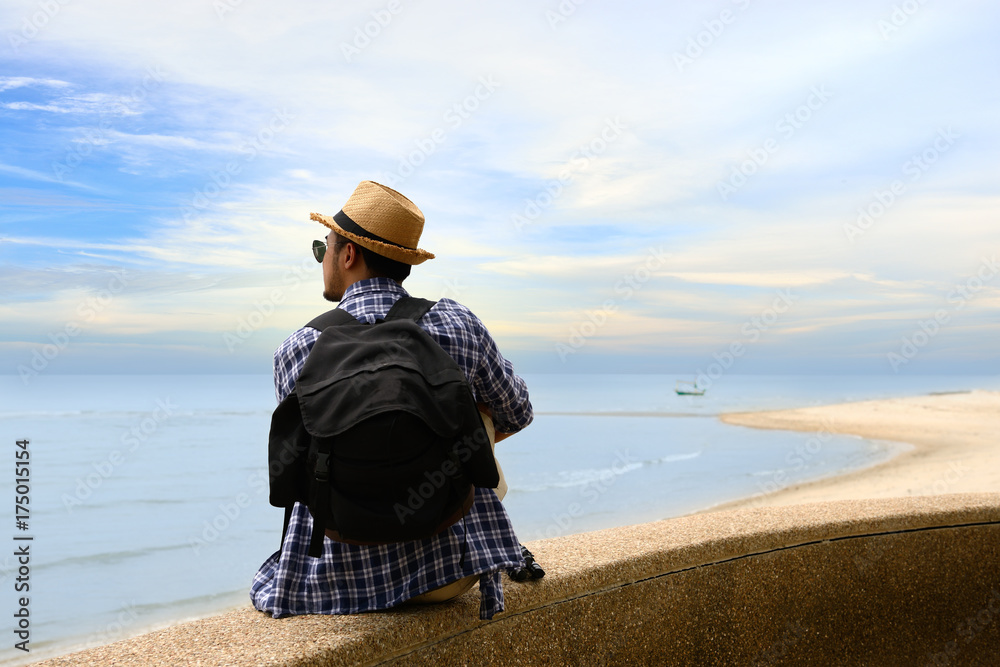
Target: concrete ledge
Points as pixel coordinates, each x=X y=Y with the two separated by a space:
x=894 y=581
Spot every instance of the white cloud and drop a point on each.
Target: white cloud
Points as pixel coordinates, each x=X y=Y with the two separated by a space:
x=169 y=142
x=9 y=82
x=88 y=103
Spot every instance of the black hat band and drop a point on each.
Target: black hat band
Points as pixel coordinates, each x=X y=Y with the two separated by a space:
x=349 y=225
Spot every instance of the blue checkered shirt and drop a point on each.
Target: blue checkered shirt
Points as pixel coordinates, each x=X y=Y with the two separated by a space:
x=349 y=579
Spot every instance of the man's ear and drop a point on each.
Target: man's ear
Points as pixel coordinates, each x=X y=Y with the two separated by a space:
x=353 y=254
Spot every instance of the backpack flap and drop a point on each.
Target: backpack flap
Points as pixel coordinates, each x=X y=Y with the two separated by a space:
x=353 y=373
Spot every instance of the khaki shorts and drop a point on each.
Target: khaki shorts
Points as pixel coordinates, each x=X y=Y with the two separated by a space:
x=446 y=592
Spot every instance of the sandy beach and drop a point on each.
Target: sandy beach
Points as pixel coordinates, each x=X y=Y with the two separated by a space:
x=953 y=436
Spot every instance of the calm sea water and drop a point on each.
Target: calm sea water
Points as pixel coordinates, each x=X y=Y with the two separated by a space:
x=149 y=493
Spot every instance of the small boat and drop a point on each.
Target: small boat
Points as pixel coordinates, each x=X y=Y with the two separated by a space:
x=685 y=388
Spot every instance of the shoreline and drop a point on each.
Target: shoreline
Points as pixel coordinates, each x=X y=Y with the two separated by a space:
x=951 y=437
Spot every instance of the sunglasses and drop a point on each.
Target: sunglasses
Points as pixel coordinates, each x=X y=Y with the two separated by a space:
x=319 y=250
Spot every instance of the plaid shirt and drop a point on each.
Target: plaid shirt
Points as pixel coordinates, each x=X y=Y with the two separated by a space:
x=347 y=578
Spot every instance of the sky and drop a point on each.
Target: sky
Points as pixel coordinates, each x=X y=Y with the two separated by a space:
x=695 y=188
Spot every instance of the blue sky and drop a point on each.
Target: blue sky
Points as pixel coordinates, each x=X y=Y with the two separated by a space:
x=772 y=187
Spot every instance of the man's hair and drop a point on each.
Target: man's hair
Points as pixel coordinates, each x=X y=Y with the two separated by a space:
x=379 y=266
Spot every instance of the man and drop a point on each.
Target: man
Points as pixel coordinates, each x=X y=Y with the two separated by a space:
x=372 y=243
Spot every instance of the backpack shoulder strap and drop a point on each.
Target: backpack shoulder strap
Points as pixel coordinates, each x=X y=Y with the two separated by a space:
x=409 y=308
x=332 y=318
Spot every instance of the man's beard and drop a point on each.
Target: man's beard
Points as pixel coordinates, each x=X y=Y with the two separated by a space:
x=334 y=289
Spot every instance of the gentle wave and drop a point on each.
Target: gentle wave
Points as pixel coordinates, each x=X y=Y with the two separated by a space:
x=51 y=413
x=767 y=473
x=678 y=457
x=111 y=557
x=569 y=478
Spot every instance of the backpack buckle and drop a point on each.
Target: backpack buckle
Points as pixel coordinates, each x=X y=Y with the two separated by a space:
x=322 y=468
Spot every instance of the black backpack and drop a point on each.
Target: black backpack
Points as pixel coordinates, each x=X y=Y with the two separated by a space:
x=381 y=438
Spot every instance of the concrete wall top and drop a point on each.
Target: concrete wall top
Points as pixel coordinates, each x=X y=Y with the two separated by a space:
x=589 y=566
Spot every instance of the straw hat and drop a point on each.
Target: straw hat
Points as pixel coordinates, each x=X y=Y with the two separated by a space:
x=382 y=220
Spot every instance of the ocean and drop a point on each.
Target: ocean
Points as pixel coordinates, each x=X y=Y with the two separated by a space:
x=148 y=494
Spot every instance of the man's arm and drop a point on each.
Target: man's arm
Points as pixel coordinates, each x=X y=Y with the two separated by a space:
x=503 y=393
